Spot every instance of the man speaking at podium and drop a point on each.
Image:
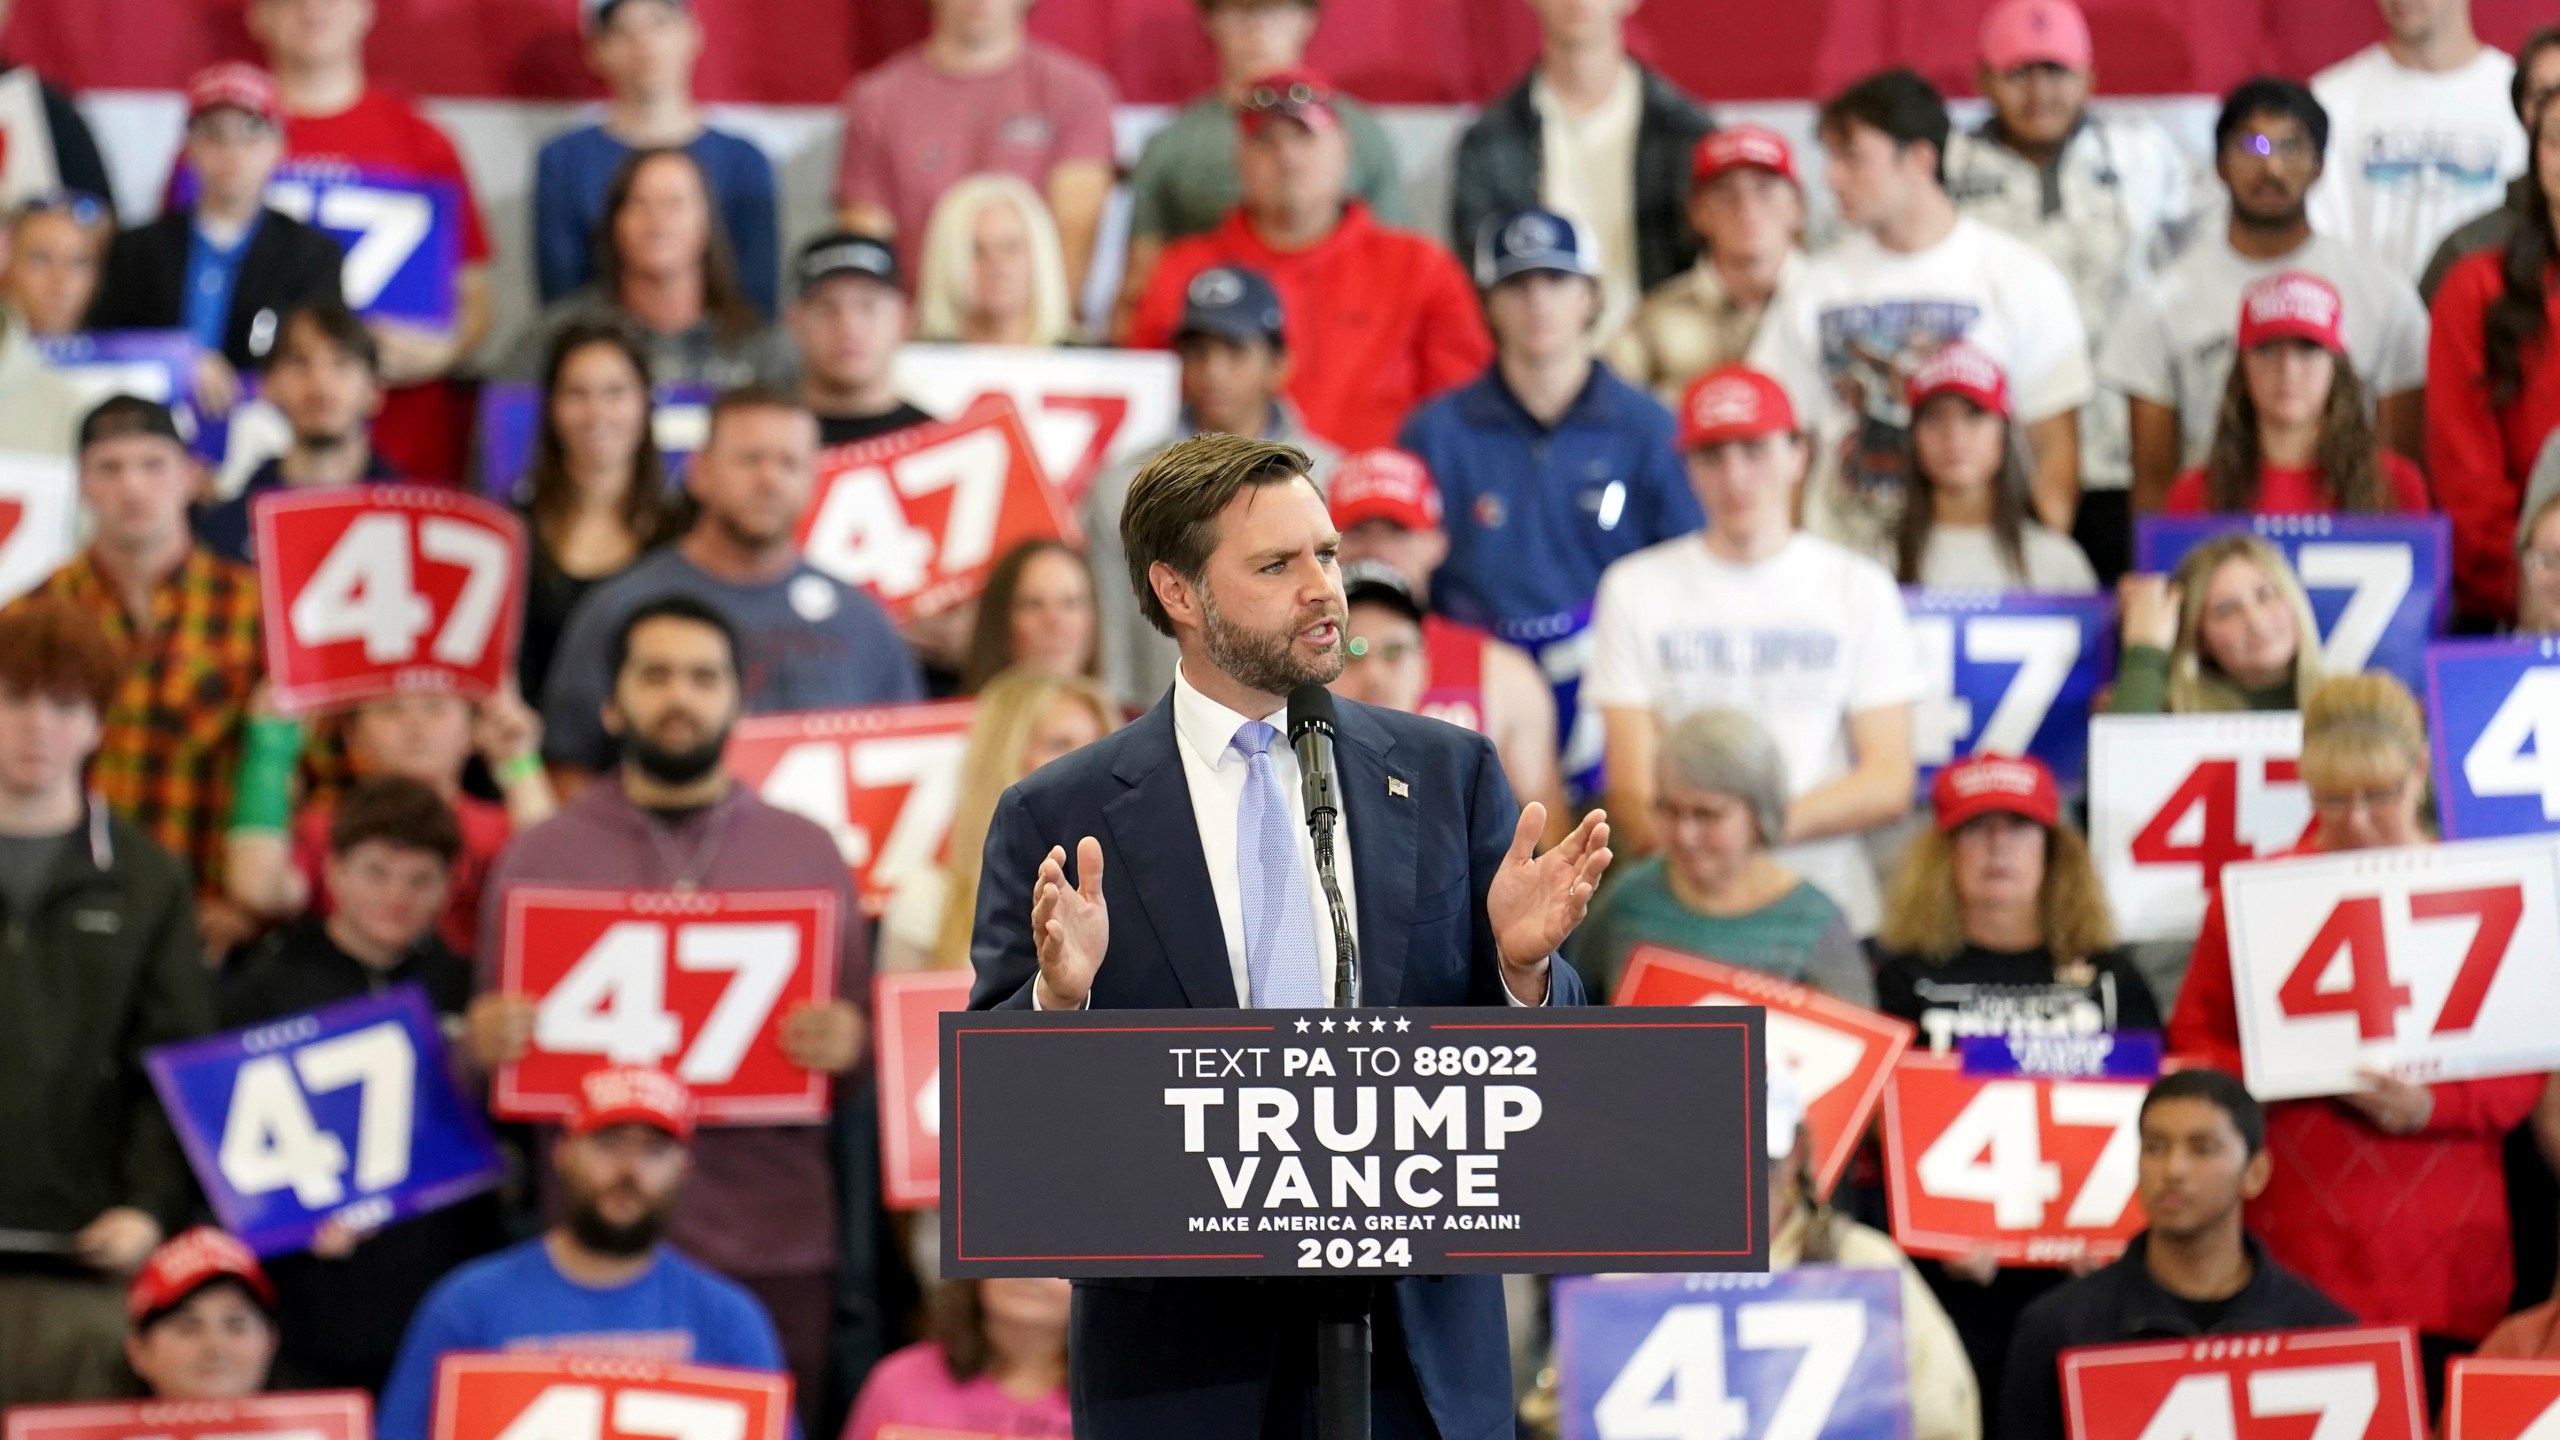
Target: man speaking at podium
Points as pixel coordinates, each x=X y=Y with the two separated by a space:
x=1193 y=884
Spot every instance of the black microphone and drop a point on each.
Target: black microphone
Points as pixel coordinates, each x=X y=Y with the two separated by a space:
x=1311 y=736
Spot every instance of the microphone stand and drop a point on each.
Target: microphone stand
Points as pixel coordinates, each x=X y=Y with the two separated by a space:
x=1343 y=1324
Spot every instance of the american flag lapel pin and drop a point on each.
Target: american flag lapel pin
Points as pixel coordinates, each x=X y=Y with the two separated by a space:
x=1398 y=789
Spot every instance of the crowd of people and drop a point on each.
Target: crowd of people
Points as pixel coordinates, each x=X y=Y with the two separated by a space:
x=1630 y=476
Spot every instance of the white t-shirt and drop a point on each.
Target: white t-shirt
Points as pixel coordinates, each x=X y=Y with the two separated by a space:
x=1587 y=169
x=1847 y=333
x=2115 y=206
x=1967 y=557
x=1803 y=640
x=2413 y=153
x=2173 y=347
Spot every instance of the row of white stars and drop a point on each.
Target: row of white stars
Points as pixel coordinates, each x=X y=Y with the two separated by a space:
x=1376 y=1027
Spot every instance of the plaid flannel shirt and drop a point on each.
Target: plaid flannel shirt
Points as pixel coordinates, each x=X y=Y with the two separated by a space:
x=171 y=750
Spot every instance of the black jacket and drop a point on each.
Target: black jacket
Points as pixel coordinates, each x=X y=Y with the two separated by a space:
x=2122 y=1302
x=1499 y=166
x=341 y=1320
x=103 y=966
x=144 y=286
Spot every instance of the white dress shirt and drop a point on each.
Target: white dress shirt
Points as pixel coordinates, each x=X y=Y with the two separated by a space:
x=1204 y=731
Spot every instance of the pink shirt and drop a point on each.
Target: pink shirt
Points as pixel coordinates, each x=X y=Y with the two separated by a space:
x=913 y=1387
x=911 y=131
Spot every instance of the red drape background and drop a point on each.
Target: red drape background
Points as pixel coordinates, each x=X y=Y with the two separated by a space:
x=1398 y=51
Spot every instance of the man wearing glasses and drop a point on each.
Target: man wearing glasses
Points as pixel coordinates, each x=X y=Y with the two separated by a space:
x=2171 y=354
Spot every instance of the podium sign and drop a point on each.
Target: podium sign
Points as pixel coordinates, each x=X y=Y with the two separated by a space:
x=1353 y=1142
x=1813 y=1353
x=307 y=1415
x=2271 y=1386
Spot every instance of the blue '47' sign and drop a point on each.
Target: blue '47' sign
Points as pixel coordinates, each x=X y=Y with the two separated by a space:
x=402 y=235
x=2008 y=673
x=2377 y=582
x=2494 y=706
x=347 y=1112
x=1803 y=1354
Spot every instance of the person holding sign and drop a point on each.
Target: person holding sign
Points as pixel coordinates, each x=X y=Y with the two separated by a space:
x=325 y=375
x=2393 y=1198
x=99 y=962
x=809 y=641
x=604 y=1280
x=2194 y=1270
x=1997 y=925
x=392 y=845
x=1194 y=885
x=1751 y=613
x=995 y=1363
x=1720 y=800
x=764 y=1207
x=1969 y=520
x=2295 y=435
x=176 y=732
x=204 y=1319
x=2231 y=630
x=226 y=268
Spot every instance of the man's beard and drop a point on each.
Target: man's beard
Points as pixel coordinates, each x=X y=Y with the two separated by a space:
x=594 y=1232
x=669 y=766
x=2284 y=219
x=744 y=537
x=1267 y=660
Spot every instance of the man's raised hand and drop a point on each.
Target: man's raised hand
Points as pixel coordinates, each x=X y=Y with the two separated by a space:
x=1069 y=925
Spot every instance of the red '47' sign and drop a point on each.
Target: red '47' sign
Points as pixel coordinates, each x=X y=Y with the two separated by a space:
x=883 y=781
x=377 y=589
x=1840 y=1053
x=909 y=1009
x=2348 y=1384
x=2502 y=1400
x=920 y=517
x=2040 y=1170
x=307 y=1415
x=571 y=1397
x=692 y=982
x=2436 y=962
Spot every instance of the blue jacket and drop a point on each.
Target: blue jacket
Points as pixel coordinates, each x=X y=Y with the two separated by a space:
x=1535 y=514
x=1155 y=1358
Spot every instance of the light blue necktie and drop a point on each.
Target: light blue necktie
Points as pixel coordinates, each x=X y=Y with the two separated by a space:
x=1279 y=912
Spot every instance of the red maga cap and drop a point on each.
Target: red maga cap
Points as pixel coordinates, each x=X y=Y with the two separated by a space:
x=1733 y=402
x=187 y=1264
x=2293 y=306
x=236 y=85
x=632 y=1094
x=1987 y=784
x=1960 y=369
x=1738 y=147
x=1385 y=484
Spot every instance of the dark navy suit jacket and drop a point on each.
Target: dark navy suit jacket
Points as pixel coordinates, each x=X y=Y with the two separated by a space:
x=1159 y=1358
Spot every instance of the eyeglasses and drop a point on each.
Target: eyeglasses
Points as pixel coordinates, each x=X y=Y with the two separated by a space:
x=84 y=209
x=2264 y=146
x=2333 y=803
x=1296 y=92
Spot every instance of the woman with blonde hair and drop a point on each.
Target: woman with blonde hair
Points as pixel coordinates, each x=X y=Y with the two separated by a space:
x=993 y=272
x=1997 y=925
x=1025 y=719
x=2230 y=630
x=2392 y=1198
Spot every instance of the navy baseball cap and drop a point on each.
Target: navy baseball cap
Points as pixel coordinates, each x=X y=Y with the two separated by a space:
x=1528 y=241
x=845 y=252
x=1233 y=302
x=1377 y=582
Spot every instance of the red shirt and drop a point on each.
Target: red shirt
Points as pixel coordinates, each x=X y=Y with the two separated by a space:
x=1378 y=320
x=2304 y=490
x=2481 y=453
x=1455 y=654
x=423 y=429
x=484 y=834
x=2400 y=1229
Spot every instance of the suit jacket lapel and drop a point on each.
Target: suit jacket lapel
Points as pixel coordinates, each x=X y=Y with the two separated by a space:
x=1157 y=840
x=1385 y=852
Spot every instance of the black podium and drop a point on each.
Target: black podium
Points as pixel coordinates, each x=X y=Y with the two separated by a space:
x=1353 y=1144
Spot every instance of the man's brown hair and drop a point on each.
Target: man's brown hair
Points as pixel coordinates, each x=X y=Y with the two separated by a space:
x=1173 y=505
x=398 y=811
x=52 y=647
